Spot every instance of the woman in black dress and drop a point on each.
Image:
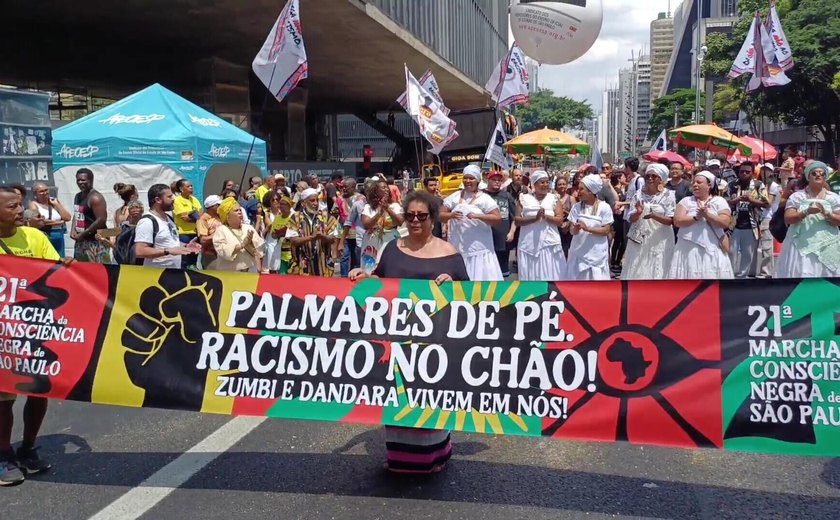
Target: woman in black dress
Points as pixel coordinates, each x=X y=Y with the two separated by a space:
x=420 y=256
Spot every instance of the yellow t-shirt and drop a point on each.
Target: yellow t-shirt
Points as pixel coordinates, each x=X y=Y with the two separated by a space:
x=30 y=243
x=260 y=192
x=183 y=206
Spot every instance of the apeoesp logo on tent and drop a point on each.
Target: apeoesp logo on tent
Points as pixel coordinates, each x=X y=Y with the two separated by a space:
x=133 y=119
x=79 y=152
x=219 y=152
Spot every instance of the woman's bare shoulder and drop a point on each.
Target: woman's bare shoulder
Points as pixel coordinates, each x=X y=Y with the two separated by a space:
x=444 y=247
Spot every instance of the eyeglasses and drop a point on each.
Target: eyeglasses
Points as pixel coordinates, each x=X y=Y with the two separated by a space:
x=416 y=217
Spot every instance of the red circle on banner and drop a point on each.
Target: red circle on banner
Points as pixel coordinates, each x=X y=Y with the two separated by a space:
x=628 y=361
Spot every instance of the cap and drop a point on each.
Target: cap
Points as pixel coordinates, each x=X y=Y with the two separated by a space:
x=495 y=173
x=280 y=177
x=712 y=162
x=212 y=200
x=769 y=167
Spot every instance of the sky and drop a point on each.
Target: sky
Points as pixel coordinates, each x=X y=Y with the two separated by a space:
x=626 y=27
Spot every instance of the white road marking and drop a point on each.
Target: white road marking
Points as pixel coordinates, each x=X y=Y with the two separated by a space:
x=151 y=491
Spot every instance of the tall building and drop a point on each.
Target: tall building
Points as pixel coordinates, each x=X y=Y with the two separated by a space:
x=627 y=110
x=642 y=103
x=661 y=46
x=610 y=122
x=533 y=68
x=716 y=16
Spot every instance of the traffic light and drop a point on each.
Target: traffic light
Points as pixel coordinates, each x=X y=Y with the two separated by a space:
x=367 y=153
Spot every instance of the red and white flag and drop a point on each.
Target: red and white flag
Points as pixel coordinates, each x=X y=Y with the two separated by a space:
x=508 y=85
x=428 y=82
x=758 y=56
x=281 y=62
x=781 y=47
x=428 y=112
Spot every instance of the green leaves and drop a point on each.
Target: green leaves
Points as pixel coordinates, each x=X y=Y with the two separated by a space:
x=547 y=110
x=662 y=113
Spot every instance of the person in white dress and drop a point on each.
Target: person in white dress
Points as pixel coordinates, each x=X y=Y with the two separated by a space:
x=702 y=220
x=540 y=249
x=383 y=222
x=592 y=220
x=650 y=239
x=470 y=214
x=812 y=245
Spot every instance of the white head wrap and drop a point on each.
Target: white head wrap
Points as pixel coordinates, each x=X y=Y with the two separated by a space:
x=538 y=176
x=308 y=193
x=659 y=169
x=472 y=171
x=708 y=175
x=593 y=183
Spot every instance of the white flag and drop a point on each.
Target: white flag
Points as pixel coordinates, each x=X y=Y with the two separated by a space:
x=509 y=82
x=281 y=62
x=745 y=60
x=767 y=69
x=781 y=47
x=661 y=143
x=427 y=111
x=496 y=148
x=428 y=82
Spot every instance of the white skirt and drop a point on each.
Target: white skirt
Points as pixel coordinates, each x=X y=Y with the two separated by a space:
x=791 y=263
x=576 y=269
x=694 y=262
x=651 y=260
x=548 y=265
x=483 y=267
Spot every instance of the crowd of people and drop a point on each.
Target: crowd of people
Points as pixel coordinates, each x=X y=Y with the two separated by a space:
x=660 y=221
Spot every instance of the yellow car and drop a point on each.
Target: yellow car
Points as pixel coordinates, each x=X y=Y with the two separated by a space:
x=449 y=183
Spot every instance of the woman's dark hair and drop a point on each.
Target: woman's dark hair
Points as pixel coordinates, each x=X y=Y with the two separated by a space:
x=125 y=191
x=426 y=198
x=591 y=171
x=20 y=188
x=229 y=193
x=268 y=197
x=180 y=184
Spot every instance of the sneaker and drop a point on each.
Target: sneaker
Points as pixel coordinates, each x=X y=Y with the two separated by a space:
x=30 y=462
x=10 y=474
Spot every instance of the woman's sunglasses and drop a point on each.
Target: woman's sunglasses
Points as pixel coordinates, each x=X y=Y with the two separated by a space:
x=418 y=217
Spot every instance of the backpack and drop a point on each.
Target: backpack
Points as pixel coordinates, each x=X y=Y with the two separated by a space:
x=777 y=226
x=124 y=245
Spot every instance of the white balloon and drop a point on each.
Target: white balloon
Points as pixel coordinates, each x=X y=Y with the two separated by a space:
x=555 y=32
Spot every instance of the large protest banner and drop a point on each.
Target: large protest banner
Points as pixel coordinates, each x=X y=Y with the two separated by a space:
x=729 y=365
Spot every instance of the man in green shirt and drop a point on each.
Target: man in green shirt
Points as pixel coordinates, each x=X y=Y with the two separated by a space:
x=19 y=240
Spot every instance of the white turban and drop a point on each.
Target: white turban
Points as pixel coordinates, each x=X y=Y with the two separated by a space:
x=538 y=176
x=708 y=175
x=308 y=193
x=472 y=171
x=593 y=183
x=659 y=169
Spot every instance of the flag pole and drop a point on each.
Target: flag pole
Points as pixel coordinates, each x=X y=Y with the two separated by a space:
x=253 y=133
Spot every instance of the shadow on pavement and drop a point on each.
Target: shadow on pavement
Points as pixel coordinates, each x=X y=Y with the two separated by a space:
x=465 y=481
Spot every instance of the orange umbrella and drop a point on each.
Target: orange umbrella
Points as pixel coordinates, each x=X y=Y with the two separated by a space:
x=546 y=141
x=710 y=138
x=761 y=151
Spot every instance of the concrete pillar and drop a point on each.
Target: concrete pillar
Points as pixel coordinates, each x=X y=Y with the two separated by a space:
x=297 y=131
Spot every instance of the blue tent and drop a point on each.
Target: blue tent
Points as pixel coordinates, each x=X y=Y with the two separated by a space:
x=153 y=128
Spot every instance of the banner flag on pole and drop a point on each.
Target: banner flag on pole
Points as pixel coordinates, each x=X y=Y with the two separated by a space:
x=661 y=144
x=496 y=148
x=509 y=85
x=434 y=123
x=758 y=56
x=428 y=82
x=781 y=47
x=281 y=63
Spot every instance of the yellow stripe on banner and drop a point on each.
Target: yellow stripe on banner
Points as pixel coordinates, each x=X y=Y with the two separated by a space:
x=460 y=418
x=507 y=297
x=518 y=421
x=478 y=421
x=458 y=292
x=213 y=403
x=476 y=293
x=441 y=420
x=491 y=291
x=424 y=417
x=440 y=299
x=495 y=424
x=402 y=413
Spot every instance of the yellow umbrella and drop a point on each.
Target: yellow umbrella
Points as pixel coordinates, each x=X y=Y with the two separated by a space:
x=710 y=138
x=546 y=141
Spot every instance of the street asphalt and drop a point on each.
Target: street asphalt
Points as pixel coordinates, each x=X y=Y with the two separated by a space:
x=290 y=470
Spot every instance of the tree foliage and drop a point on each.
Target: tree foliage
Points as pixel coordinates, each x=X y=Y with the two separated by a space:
x=813 y=30
x=546 y=109
x=662 y=112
